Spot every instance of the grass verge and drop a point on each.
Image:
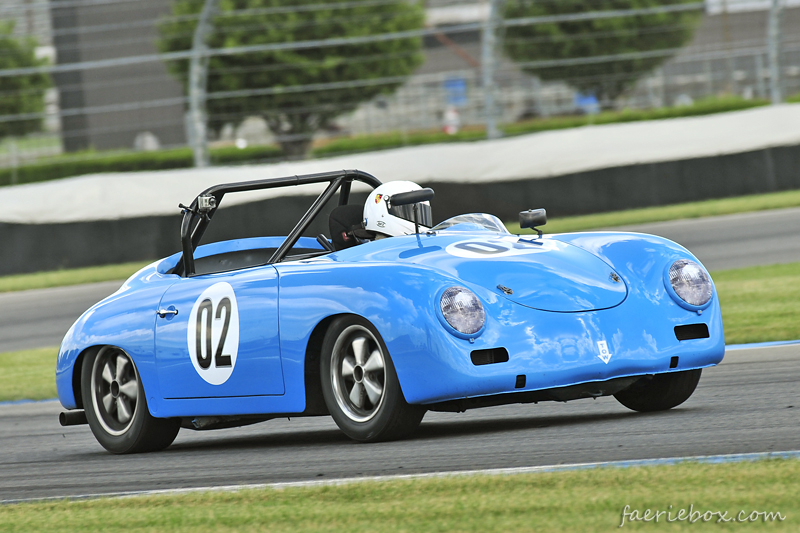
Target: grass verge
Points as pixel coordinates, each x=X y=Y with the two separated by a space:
x=74 y=276
x=705 y=208
x=582 y=500
x=28 y=375
x=759 y=304
x=707 y=106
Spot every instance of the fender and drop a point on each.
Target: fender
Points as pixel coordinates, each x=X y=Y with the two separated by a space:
x=133 y=331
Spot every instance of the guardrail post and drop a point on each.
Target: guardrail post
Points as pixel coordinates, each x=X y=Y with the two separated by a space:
x=198 y=77
x=489 y=51
x=14 y=153
x=774 y=48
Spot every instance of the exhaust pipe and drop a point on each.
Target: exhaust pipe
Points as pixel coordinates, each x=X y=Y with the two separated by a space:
x=72 y=418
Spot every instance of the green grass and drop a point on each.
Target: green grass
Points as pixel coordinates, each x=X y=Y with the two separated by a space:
x=583 y=500
x=706 y=106
x=760 y=304
x=75 y=276
x=794 y=99
x=724 y=206
x=28 y=375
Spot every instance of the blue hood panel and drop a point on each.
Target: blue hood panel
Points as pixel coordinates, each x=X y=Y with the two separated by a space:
x=543 y=274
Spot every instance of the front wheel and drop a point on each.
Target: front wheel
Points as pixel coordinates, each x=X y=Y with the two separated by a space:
x=360 y=385
x=116 y=408
x=661 y=392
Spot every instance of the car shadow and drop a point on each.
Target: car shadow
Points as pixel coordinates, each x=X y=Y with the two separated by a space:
x=309 y=437
x=284 y=439
x=443 y=429
x=428 y=430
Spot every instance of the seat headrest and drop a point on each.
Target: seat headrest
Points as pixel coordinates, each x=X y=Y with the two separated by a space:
x=342 y=221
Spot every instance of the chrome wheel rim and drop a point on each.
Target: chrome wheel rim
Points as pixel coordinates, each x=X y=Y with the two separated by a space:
x=115 y=390
x=358 y=373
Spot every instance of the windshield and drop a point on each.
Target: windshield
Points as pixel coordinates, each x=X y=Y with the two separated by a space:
x=483 y=221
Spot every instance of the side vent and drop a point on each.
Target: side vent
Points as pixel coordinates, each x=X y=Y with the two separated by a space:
x=691 y=331
x=488 y=357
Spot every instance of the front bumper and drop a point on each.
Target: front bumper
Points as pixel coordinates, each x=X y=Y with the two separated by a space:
x=552 y=350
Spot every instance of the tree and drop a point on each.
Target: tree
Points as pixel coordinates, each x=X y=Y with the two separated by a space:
x=600 y=37
x=20 y=95
x=294 y=116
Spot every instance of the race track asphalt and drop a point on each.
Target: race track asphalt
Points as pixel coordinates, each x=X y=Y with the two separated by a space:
x=735 y=241
x=747 y=404
x=39 y=318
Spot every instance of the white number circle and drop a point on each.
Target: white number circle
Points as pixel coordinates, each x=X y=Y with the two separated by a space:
x=496 y=248
x=213 y=333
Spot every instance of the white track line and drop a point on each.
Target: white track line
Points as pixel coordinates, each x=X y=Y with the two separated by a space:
x=709 y=459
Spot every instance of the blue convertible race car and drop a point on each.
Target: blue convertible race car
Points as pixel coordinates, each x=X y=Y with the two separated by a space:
x=375 y=330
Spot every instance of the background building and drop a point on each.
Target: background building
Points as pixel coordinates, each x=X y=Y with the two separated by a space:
x=123 y=106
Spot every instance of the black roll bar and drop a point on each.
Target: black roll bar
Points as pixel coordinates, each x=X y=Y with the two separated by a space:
x=196 y=217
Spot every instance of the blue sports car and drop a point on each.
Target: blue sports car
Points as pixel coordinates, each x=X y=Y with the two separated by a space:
x=390 y=317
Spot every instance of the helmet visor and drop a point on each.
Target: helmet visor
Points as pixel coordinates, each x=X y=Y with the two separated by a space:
x=406 y=212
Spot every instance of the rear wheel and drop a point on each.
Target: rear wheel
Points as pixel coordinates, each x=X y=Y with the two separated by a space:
x=360 y=385
x=116 y=407
x=660 y=392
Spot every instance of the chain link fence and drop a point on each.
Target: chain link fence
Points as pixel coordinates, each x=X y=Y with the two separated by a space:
x=143 y=84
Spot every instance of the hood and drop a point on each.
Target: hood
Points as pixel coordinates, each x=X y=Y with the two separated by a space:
x=543 y=274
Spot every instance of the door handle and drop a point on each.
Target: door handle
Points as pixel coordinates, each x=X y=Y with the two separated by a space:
x=169 y=311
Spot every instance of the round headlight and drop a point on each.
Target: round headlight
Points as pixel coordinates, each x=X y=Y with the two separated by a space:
x=462 y=310
x=690 y=282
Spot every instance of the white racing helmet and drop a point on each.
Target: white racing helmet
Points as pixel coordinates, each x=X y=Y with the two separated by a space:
x=381 y=216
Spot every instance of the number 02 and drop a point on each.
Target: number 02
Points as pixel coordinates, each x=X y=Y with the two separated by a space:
x=204 y=350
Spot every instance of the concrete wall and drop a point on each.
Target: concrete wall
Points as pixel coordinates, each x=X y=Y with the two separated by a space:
x=645 y=185
x=31 y=248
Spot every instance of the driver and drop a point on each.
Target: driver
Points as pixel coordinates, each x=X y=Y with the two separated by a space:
x=385 y=220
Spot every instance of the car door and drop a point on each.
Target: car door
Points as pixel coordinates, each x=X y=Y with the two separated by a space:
x=217 y=336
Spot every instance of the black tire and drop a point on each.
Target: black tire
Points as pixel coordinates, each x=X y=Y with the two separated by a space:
x=360 y=385
x=116 y=407
x=661 y=392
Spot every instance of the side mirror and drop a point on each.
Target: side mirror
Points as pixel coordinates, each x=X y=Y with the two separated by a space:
x=532 y=218
x=412 y=197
